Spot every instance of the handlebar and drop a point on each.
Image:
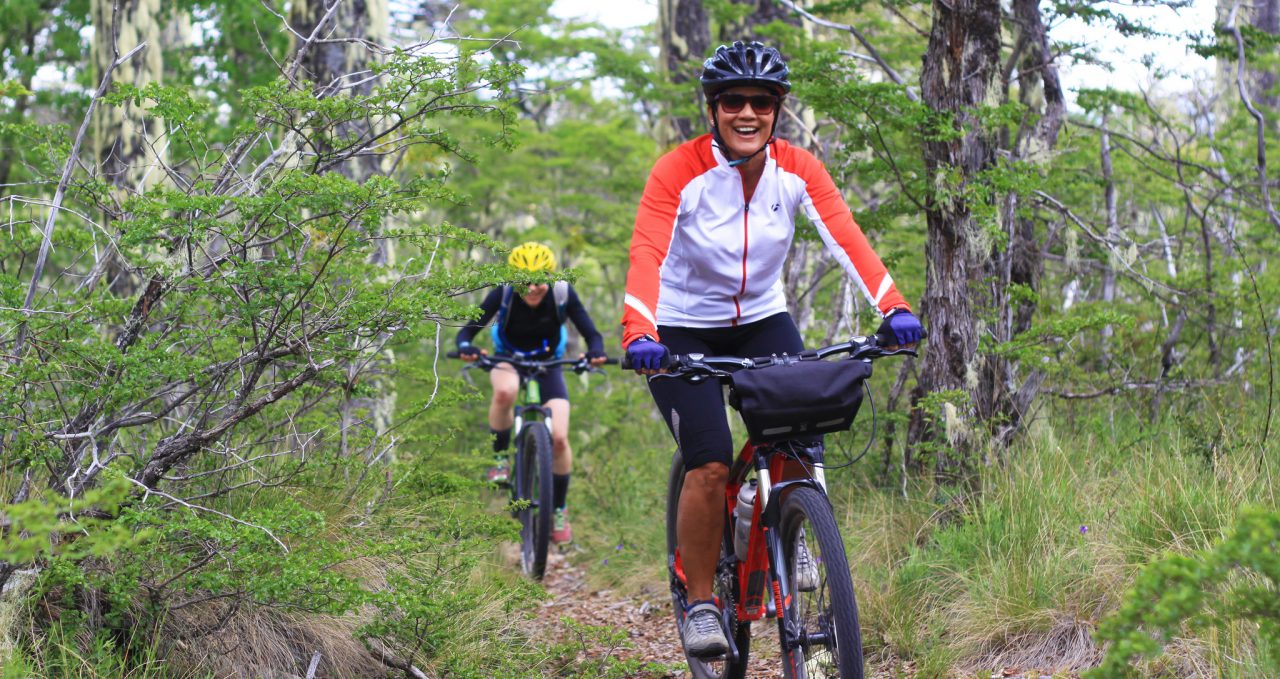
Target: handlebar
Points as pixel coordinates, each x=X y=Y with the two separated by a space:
x=530 y=365
x=858 y=347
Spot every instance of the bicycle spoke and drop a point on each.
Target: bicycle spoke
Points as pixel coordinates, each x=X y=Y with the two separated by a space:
x=822 y=609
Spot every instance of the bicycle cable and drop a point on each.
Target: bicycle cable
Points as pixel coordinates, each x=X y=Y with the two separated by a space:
x=866 y=449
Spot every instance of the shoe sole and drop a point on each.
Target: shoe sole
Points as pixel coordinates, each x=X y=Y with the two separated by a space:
x=708 y=654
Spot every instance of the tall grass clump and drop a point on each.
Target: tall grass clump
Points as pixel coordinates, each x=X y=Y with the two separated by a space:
x=1019 y=571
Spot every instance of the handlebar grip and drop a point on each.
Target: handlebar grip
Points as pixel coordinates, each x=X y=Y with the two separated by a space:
x=611 y=361
x=451 y=354
x=879 y=341
x=625 y=362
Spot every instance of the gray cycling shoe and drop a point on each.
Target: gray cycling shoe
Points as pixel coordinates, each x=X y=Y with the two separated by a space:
x=703 y=636
x=806 y=569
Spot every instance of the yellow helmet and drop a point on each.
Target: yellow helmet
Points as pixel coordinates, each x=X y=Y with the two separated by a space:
x=532 y=257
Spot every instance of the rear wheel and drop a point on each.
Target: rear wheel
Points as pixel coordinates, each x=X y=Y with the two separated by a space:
x=534 y=493
x=822 y=605
x=725 y=588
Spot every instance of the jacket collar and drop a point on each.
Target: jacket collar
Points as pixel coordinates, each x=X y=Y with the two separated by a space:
x=723 y=163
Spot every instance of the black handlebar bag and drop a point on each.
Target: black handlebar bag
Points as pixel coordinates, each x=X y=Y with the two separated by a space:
x=806 y=398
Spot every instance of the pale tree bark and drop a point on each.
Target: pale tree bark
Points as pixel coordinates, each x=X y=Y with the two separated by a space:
x=684 y=42
x=1266 y=18
x=339 y=65
x=960 y=68
x=1260 y=83
x=128 y=146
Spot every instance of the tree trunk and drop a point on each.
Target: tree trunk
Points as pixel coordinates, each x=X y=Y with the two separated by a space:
x=1266 y=18
x=330 y=65
x=959 y=71
x=1022 y=263
x=127 y=146
x=684 y=41
x=1263 y=15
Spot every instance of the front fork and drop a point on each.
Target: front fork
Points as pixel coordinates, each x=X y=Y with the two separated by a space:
x=771 y=519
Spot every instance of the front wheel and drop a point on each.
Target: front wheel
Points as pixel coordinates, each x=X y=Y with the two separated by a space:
x=534 y=493
x=826 y=640
x=725 y=588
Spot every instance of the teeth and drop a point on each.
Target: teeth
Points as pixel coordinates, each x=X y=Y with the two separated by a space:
x=745 y=130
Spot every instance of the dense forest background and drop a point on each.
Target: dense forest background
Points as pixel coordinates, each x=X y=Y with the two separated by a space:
x=239 y=236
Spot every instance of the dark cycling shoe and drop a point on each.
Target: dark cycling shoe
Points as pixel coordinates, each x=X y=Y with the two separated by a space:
x=703 y=635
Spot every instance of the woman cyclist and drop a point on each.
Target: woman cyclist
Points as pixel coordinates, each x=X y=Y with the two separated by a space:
x=712 y=231
x=530 y=324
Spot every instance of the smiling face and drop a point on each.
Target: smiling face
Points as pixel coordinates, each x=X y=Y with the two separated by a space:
x=746 y=130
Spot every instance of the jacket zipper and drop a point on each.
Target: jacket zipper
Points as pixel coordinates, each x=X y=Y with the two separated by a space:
x=737 y=307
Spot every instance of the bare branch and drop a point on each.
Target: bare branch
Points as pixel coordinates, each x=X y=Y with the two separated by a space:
x=875 y=54
x=1147 y=281
x=152 y=491
x=1259 y=120
x=47 y=240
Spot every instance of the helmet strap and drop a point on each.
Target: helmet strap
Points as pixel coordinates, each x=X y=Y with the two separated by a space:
x=724 y=147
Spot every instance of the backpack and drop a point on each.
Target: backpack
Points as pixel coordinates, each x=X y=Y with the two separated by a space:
x=560 y=290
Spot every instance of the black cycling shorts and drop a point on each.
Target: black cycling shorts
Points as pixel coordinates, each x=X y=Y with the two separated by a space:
x=696 y=412
x=550 y=383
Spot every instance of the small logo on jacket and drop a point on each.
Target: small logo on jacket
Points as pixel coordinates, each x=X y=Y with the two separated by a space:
x=776 y=206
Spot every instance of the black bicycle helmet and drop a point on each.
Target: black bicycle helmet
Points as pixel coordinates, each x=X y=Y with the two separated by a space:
x=744 y=64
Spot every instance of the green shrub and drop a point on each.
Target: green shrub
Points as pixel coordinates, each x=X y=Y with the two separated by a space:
x=1237 y=579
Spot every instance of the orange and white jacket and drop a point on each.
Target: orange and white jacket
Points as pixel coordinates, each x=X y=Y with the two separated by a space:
x=701 y=257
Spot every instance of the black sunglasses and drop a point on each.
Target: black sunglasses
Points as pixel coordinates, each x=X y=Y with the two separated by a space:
x=763 y=104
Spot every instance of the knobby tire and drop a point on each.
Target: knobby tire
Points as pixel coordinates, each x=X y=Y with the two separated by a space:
x=831 y=609
x=725 y=587
x=535 y=485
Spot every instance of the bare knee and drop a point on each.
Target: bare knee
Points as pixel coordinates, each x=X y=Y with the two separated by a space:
x=504 y=397
x=709 y=478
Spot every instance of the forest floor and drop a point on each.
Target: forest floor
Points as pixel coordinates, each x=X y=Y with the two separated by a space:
x=646 y=620
x=650 y=632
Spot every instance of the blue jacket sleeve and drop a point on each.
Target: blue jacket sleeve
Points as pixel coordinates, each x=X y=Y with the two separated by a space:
x=577 y=313
x=489 y=307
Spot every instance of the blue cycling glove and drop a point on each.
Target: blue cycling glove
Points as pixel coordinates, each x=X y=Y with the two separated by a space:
x=646 y=354
x=900 y=327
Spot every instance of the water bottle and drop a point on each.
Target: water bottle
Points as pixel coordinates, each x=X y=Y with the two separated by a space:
x=742 y=517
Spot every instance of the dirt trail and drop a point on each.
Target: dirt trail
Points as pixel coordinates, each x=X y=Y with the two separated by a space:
x=651 y=633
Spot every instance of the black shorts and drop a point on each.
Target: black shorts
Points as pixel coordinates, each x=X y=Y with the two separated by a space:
x=696 y=412
x=550 y=383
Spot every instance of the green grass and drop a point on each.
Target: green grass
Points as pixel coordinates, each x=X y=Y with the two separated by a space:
x=1018 y=571
x=1021 y=570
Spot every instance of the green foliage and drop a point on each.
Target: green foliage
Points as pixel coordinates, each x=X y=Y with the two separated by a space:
x=1092 y=14
x=1237 y=579
x=271 y=257
x=70 y=528
x=1222 y=43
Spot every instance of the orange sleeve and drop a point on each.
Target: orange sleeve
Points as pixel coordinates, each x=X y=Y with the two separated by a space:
x=843 y=236
x=650 y=242
x=655 y=226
